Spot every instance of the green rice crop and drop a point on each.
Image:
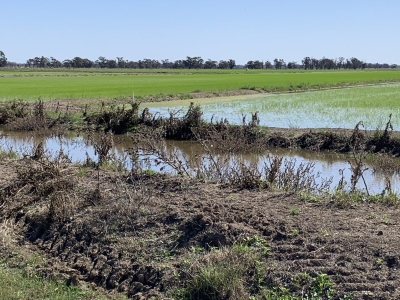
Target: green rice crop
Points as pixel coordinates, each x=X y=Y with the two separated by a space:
x=74 y=84
x=314 y=109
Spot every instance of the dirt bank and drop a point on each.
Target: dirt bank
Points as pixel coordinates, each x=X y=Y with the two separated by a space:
x=147 y=235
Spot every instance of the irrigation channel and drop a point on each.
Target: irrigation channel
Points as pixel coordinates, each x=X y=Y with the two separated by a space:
x=326 y=166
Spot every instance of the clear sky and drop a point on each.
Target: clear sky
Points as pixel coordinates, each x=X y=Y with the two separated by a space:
x=213 y=29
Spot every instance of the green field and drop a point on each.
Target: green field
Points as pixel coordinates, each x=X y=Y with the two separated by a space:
x=75 y=84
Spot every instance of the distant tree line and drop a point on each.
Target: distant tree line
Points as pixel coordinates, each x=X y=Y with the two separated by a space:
x=309 y=63
x=196 y=62
x=120 y=62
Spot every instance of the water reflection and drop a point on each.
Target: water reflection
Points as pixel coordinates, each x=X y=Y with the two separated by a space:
x=76 y=146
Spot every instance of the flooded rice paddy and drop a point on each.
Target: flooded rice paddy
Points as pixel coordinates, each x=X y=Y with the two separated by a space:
x=333 y=108
x=327 y=166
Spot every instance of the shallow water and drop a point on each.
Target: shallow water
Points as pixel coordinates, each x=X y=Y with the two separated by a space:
x=78 y=149
x=334 y=108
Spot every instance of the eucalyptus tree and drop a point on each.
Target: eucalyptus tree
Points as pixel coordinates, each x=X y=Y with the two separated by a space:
x=30 y=62
x=111 y=63
x=268 y=65
x=210 y=64
x=77 y=62
x=279 y=63
x=231 y=63
x=306 y=63
x=87 y=63
x=68 y=63
x=223 y=64
x=195 y=62
x=101 y=62
x=255 y=64
x=3 y=59
x=54 y=63
x=121 y=62
x=292 y=65
x=166 y=64
x=179 y=64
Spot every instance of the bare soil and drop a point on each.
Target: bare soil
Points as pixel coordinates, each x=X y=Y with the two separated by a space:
x=130 y=234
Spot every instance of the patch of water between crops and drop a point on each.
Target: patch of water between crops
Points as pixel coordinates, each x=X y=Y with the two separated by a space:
x=77 y=147
x=335 y=108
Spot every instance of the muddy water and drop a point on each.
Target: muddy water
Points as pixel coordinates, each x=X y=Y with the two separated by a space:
x=76 y=146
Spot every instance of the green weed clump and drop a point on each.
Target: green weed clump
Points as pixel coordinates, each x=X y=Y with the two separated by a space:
x=233 y=272
x=8 y=154
x=346 y=199
x=241 y=271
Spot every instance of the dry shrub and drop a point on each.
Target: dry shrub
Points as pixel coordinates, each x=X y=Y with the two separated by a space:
x=357 y=137
x=287 y=175
x=119 y=206
x=42 y=178
x=386 y=164
x=116 y=118
x=62 y=206
x=20 y=115
x=182 y=128
x=246 y=177
x=248 y=137
x=16 y=109
x=102 y=145
x=151 y=146
x=232 y=170
x=357 y=172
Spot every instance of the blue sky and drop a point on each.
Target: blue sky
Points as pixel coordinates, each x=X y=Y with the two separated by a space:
x=220 y=29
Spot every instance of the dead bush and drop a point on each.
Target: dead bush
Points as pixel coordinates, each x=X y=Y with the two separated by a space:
x=42 y=178
x=20 y=115
x=102 y=144
x=288 y=175
x=116 y=118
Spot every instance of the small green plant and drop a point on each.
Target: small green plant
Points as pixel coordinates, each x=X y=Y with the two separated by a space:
x=325 y=232
x=196 y=249
x=379 y=262
x=309 y=197
x=294 y=211
x=302 y=279
x=149 y=172
x=322 y=287
x=82 y=171
x=10 y=154
x=254 y=242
